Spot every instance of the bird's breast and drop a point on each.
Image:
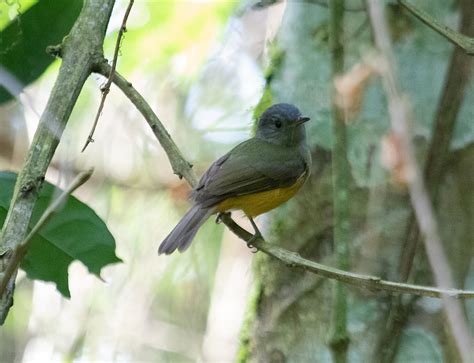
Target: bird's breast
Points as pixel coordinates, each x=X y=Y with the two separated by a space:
x=258 y=203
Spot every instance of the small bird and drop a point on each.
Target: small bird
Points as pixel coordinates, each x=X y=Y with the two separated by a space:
x=256 y=176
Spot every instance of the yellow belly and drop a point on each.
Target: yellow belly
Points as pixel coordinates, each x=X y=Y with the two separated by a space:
x=258 y=203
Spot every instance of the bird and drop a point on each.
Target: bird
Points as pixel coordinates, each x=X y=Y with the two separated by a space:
x=255 y=177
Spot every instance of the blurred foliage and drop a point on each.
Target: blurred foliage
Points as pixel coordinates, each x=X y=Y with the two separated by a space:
x=73 y=233
x=178 y=288
x=176 y=30
x=24 y=40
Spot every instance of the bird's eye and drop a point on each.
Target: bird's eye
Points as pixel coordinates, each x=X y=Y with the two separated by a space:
x=277 y=124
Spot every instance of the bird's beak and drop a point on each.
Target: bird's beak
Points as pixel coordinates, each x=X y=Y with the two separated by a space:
x=301 y=120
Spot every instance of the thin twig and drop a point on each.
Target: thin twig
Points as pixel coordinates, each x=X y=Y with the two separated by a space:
x=461 y=40
x=20 y=251
x=341 y=180
x=105 y=89
x=183 y=168
x=400 y=120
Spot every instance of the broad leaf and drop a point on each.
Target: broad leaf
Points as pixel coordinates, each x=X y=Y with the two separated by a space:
x=23 y=42
x=74 y=233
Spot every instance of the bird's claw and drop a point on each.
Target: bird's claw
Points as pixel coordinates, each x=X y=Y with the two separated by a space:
x=253 y=249
x=253 y=239
x=220 y=215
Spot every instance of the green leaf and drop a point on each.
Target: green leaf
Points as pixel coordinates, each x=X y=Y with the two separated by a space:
x=74 y=233
x=24 y=40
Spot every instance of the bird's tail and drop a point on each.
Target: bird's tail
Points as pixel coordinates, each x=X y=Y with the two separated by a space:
x=183 y=234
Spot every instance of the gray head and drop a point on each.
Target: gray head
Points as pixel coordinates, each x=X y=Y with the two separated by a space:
x=282 y=124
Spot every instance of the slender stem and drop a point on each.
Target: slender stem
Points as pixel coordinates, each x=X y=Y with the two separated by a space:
x=80 y=50
x=461 y=40
x=106 y=88
x=22 y=248
x=341 y=180
x=401 y=123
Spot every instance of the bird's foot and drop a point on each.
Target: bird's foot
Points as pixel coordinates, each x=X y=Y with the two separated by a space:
x=252 y=239
x=220 y=215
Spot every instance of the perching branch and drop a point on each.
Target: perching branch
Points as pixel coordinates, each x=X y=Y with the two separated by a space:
x=182 y=168
x=341 y=181
x=461 y=40
x=105 y=89
x=400 y=118
x=293 y=259
x=80 y=50
x=22 y=248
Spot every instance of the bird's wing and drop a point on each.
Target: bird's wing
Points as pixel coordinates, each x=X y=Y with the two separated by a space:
x=251 y=167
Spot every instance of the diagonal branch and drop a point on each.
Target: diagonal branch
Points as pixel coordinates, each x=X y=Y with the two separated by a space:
x=400 y=118
x=458 y=76
x=457 y=79
x=461 y=40
x=182 y=168
x=293 y=259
